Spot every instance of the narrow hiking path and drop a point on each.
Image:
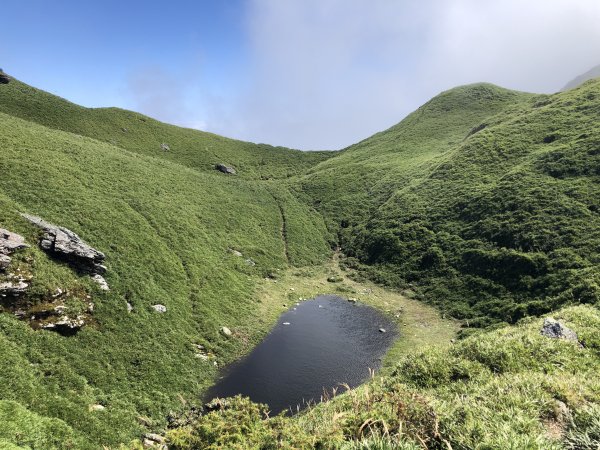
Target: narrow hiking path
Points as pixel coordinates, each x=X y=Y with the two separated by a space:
x=283 y=230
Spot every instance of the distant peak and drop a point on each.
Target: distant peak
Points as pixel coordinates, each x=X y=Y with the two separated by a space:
x=578 y=81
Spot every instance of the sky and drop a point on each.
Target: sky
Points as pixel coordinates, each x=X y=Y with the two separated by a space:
x=307 y=74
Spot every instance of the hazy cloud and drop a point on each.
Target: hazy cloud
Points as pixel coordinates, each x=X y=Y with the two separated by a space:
x=327 y=73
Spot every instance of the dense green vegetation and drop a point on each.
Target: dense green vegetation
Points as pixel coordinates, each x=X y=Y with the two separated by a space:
x=491 y=218
x=483 y=202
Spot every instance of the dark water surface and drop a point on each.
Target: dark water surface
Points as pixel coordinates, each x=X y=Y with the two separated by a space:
x=328 y=341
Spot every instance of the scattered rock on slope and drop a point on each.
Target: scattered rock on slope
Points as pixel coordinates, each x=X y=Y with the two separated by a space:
x=99 y=279
x=226 y=169
x=9 y=243
x=64 y=244
x=556 y=330
x=13 y=288
x=4 y=79
x=159 y=308
x=165 y=147
x=226 y=331
x=66 y=326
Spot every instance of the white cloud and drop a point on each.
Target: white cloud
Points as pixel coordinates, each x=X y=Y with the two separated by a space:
x=327 y=73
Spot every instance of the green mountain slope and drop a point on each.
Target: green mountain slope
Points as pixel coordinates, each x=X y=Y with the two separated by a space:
x=141 y=134
x=483 y=201
x=166 y=230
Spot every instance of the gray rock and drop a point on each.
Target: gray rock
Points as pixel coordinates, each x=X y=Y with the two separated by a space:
x=235 y=252
x=226 y=331
x=9 y=243
x=65 y=244
x=65 y=325
x=97 y=407
x=554 y=329
x=159 y=308
x=101 y=282
x=226 y=169
x=155 y=438
x=4 y=262
x=129 y=307
x=165 y=147
x=250 y=262
x=4 y=79
x=13 y=288
x=382 y=330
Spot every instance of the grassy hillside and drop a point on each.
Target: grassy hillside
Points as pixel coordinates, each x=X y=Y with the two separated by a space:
x=483 y=201
x=167 y=231
x=141 y=134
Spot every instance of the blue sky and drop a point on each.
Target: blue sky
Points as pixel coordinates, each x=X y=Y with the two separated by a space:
x=311 y=74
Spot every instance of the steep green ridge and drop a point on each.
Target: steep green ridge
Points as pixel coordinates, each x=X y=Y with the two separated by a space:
x=166 y=230
x=491 y=217
x=141 y=134
x=349 y=187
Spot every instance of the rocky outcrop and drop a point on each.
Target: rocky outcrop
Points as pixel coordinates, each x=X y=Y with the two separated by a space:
x=9 y=243
x=4 y=79
x=226 y=169
x=65 y=245
x=13 y=288
x=153 y=440
x=67 y=326
x=554 y=329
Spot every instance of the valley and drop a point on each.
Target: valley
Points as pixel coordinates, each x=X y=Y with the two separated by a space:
x=466 y=224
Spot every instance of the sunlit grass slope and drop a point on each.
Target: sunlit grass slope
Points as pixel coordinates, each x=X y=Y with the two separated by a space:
x=144 y=135
x=166 y=230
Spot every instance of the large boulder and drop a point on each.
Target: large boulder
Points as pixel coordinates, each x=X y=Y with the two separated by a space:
x=64 y=244
x=226 y=169
x=554 y=329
